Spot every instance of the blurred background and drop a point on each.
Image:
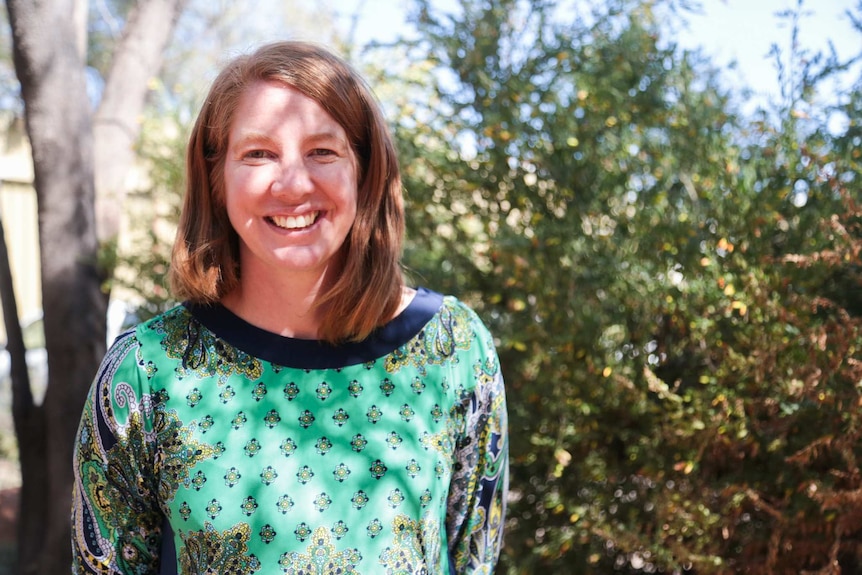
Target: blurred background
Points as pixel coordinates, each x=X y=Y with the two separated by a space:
x=653 y=204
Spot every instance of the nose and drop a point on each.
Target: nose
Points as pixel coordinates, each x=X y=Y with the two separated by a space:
x=292 y=178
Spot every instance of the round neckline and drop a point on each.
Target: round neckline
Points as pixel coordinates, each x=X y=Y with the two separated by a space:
x=315 y=354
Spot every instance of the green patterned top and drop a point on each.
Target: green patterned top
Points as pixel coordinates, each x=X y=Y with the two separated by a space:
x=208 y=445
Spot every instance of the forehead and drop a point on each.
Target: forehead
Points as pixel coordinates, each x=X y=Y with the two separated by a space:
x=267 y=105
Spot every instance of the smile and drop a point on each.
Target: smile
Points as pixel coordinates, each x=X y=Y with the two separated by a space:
x=295 y=222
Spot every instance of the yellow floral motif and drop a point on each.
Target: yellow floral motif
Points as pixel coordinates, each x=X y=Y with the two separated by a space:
x=437 y=343
x=321 y=558
x=177 y=453
x=187 y=340
x=406 y=554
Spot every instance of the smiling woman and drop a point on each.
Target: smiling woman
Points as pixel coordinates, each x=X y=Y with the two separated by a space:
x=237 y=135
x=290 y=191
x=303 y=411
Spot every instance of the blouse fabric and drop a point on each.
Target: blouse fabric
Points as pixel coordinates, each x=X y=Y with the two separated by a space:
x=208 y=445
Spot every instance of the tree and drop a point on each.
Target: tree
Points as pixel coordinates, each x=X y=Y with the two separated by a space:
x=667 y=280
x=49 y=62
x=674 y=287
x=116 y=124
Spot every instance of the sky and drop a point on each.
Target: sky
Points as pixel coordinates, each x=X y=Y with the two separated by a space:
x=744 y=31
x=726 y=30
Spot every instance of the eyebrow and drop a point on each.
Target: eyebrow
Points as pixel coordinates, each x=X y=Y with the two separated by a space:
x=324 y=136
x=328 y=136
x=250 y=138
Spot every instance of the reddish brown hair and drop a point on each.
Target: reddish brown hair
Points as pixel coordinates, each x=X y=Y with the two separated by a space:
x=205 y=260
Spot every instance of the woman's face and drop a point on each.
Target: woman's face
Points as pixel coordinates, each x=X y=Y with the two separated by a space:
x=290 y=182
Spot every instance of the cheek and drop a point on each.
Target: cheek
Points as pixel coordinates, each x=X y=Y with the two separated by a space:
x=234 y=200
x=354 y=215
x=342 y=191
x=235 y=184
x=351 y=204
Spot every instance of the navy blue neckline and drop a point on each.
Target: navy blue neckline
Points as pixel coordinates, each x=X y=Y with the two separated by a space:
x=315 y=354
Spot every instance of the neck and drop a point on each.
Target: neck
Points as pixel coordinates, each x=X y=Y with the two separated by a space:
x=286 y=306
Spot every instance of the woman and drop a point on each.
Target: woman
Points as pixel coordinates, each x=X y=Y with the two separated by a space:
x=303 y=411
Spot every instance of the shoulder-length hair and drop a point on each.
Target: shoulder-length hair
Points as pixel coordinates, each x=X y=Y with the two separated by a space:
x=205 y=259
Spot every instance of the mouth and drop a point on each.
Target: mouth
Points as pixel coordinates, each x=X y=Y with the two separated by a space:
x=294 y=222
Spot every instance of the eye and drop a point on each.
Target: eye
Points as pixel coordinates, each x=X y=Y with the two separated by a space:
x=257 y=154
x=324 y=155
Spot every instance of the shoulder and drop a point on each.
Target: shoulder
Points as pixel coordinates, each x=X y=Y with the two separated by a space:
x=178 y=315
x=462 y=317
x=135 y=348
x=123 y=385
x=456 y=327
x=167 y=329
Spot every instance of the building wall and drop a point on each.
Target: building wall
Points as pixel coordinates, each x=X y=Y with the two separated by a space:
x=20 y=227
x=20 y=220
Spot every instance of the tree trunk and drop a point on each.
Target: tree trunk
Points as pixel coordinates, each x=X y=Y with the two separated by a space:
x=57 y=112
x=117 y=127
x=49 y=62
x=27 y=415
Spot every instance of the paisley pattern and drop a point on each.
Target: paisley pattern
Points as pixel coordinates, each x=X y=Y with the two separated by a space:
x=393 y=465
x=106 y=480
x=320 y=558
x=177 y=453
x=448 y=332
x=406 y=554
x=474 y=496
x=225 y=553
x=202 y=353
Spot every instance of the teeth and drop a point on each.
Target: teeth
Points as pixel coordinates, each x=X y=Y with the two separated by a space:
x=295 y=222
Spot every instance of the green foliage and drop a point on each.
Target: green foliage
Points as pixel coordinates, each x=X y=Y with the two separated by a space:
x=106 y=20
x=153 y=211
x=675 y=289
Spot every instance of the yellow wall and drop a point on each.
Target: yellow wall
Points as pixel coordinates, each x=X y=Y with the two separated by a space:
x=20 y=222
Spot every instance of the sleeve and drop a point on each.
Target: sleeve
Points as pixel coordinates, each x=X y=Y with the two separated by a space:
x=116 y=521
x=477 y=494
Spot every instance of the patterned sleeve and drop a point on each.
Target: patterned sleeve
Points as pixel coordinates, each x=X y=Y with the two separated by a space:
x=477 y=495
x=116 y=523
